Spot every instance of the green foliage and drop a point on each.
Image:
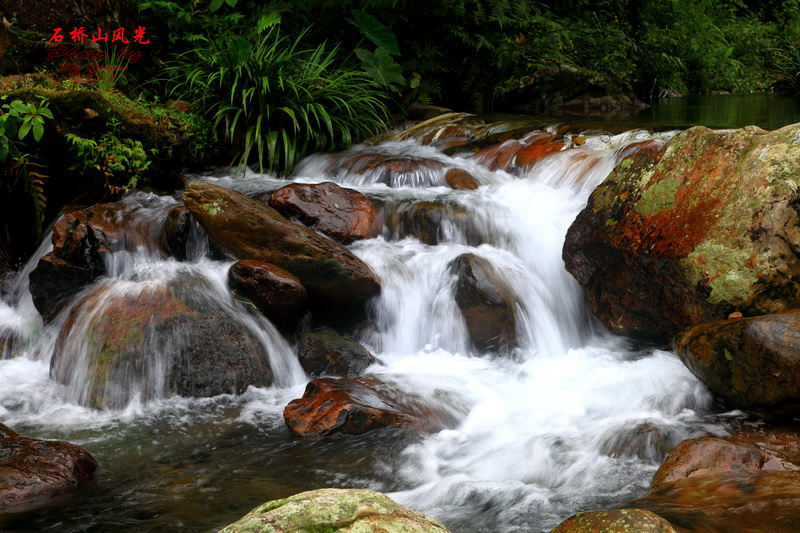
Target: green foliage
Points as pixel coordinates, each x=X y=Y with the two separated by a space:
x=277 y=100
x=119 y=161
x=381 y=67
x=18 y=121
x=380 y=35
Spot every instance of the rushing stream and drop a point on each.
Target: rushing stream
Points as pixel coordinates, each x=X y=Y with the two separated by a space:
x=572 y=419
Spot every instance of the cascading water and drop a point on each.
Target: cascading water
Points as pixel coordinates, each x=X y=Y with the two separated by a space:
x=566 y=419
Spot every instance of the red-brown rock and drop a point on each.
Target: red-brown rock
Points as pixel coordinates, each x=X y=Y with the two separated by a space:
x=342 y=214
x=428 y=220
x=275 y=292
x=354 y=406
x=460 y=179
x=537 y=148
x=32 y=468
x=740 y=484
x=499 y=156
x=748 y=363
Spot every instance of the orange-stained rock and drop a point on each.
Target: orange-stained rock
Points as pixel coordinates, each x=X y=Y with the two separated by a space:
x=499 y=156
x=342 y=214
x=460 y=179
x=615 y=521
x=444 y=135
x=355 y=406
x=32 y=468
x=391 y=169
x=275 y=292
x=540 y=147
x=686 y=235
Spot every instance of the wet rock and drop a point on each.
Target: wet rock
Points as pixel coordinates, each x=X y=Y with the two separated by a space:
x=275 y=292
x=176 y=231
x=433 y=222
x=446 y=137
x=391 y=169
x=354 y=406
x=749 y=363
x=737 y=484
x=461 y=180
x=32 y=468
x=359 y=510
x=154 y=341
x=707 y=227
x=486 y=303
x=342 y=214
x=649 y=148
x=499 y=156
x=537 y=148
x=615 y=521
x=645 y=441
x=247 y=229
x=332 y=355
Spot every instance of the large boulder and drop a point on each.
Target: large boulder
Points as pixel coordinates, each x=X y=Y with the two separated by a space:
x=748 y=363
x=486 y=302
x=745 y=482
x=705 y=227
x=31 y=468
x=247 y=229
x=355 y=406
x=342 y=214
x=345 y=510
x=153 y=341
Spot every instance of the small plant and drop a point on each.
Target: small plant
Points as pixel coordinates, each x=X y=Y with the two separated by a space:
x=119 y=161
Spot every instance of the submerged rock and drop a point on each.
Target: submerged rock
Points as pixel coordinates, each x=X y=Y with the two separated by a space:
x=738 y=484
x=247 y=229
x=748 y=363
x=342 y=214
x=332 y=355
x=322 y=510
x=460 y=180
x=154 y=341
x=355 y=406
x=486 y=302
x=32 y=468
x=704 y=227
x=615 y=521
x=275 y=292
x=432 y=222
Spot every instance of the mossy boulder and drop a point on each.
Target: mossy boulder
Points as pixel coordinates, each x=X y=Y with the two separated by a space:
x=332 y=510
x=615 y=521
x=328 y=354
x=152 y=340
x=245 y=228
x=748 y=363
x=704 y=227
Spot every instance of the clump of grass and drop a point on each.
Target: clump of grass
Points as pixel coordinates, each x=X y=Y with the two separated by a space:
x=275 y=100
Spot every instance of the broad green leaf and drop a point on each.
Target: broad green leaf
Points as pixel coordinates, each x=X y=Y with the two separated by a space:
x=376 y=32
x=45 y=112
x=19 y=106
x=381 y=67
x=231 y=3
x=3 y=148
x=24 y=129
x=38 y=131
x=215 y=4
x=239 y=49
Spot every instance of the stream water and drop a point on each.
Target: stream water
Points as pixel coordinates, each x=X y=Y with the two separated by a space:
x=573 y=419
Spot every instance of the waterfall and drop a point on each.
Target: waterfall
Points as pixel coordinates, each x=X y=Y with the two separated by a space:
x=565 y=418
